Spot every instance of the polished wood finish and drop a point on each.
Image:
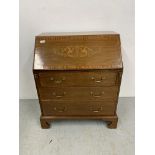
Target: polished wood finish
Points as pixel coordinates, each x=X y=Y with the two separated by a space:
x=92 y=78
x=111 y=120
x=70 y=108
x=78 y=76
x=77 y=52
x=70 y=93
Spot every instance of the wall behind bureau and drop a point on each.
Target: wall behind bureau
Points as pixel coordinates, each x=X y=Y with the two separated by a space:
x=38 y=16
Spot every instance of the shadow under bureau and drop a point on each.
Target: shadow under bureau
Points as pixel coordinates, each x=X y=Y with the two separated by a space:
x=78 y=76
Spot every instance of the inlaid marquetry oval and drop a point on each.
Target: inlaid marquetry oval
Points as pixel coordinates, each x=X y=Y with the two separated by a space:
x=75 y=51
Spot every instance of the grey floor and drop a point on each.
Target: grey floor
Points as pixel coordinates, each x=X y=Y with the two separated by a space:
x=75 y=137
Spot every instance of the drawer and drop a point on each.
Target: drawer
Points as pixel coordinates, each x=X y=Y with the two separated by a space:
x=78 y=108
x=77 y=78
x=79 y=93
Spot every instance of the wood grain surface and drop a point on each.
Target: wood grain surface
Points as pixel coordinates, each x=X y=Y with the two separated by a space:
x=78 y=76
x=71 y=52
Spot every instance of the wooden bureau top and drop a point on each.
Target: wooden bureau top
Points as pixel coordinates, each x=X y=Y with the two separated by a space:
x=77 y=51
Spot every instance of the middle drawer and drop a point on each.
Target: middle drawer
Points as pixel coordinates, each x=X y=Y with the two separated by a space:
x=78 y=93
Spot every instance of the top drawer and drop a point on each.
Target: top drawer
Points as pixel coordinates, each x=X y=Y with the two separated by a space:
x=77 y=78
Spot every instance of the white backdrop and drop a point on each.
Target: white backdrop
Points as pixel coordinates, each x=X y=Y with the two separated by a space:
x=38 y=16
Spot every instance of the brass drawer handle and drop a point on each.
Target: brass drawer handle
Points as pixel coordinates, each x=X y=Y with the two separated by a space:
x=58 y=96
x=98 y=81
x=58 y=81
x=98 y=110
x=59 y=110
x=92 y=93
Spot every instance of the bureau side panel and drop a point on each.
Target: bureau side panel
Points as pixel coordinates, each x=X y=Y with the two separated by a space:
x=36 y=78
x=118 y=81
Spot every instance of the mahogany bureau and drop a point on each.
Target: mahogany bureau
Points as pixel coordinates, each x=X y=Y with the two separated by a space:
x=78 y=76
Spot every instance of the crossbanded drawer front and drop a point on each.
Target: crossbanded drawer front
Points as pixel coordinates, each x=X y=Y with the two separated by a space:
x=77 y=78
x=79 y=93
x=75 y=108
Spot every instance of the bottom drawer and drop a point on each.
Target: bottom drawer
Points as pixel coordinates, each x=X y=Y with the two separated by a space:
x=80 y=108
